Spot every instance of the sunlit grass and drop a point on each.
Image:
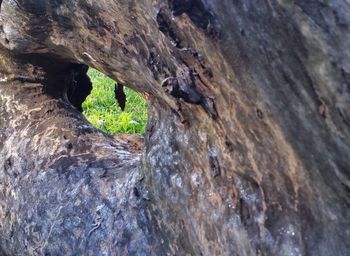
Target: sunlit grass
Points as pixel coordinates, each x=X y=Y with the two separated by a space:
x=102 y=111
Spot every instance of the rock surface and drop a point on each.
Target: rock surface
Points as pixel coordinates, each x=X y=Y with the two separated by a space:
x=248 y=141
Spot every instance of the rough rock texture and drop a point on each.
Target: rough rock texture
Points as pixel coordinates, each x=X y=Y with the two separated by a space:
x=248 y=141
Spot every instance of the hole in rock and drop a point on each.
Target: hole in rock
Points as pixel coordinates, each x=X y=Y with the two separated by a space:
x=103 y=111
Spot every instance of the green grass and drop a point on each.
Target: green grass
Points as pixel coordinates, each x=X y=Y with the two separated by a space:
x=102 y=111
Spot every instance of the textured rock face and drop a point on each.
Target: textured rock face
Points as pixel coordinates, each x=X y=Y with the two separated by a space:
x=247 y=145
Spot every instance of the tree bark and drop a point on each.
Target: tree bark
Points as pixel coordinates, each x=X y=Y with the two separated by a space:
x=247 y=145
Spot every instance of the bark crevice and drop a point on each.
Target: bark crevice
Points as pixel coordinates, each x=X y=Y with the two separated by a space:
x=246 y=147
